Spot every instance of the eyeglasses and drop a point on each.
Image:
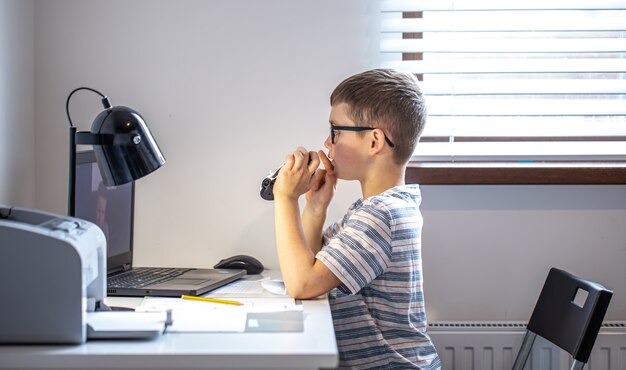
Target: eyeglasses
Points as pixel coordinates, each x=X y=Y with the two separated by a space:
x=334 y=128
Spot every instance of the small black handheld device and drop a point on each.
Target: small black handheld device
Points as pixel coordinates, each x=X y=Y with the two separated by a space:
x=267 y=185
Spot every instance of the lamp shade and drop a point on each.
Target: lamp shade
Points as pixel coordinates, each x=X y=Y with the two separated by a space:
x=131 y=152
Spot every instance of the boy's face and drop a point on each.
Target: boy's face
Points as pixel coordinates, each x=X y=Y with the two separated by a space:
x=349 y=151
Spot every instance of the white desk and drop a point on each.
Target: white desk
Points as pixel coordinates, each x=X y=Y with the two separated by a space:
x=313 y=348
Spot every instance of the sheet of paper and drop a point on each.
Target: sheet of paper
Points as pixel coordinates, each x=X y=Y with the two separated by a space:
x=259 y=288
x=270 y=304
x=269 y=322
x=194 y=316
x=241 y=288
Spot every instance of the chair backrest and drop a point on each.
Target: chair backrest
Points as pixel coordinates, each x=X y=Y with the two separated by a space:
x=569 y=312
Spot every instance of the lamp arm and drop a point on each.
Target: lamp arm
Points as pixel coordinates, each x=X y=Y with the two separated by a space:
x=89 y=138
x=71 y=189
x=71 y=192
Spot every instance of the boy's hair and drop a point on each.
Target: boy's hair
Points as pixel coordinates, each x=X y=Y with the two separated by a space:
x=387 y=99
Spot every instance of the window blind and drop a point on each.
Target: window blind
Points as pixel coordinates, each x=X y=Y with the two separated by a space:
x=522 y=80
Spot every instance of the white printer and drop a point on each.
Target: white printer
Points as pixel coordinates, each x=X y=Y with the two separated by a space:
x=52 y=272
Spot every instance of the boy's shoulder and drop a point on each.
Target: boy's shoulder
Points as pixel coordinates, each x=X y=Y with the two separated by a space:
x=390 y=203
x=398 y=196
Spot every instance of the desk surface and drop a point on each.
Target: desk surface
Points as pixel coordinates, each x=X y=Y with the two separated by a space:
x=313 y=348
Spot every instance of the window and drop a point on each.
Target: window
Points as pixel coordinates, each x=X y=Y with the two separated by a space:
x=516 y=85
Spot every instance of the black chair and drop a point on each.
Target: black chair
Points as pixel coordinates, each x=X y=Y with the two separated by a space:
x=568 y=313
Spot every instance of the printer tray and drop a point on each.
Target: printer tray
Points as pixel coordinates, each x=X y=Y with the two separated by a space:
x=124 y=325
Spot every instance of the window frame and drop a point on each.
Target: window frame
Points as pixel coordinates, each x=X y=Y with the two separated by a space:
x=509 y=172
x=516 y=173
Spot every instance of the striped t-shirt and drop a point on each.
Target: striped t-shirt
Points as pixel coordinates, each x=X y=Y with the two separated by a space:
x=378 y=310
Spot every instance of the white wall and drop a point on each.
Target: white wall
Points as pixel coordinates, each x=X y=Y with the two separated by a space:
x=17 y=153
x=229 y=87
x=488 y=249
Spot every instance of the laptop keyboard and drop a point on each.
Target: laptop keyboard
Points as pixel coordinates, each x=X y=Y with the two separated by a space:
x=140 y=277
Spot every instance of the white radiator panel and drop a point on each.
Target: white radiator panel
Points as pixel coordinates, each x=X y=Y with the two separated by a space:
x=494 y=346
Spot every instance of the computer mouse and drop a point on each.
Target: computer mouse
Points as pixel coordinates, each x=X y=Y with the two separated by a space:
x=241 y=261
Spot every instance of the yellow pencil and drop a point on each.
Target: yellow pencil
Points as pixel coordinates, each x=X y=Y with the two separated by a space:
x=212 y=300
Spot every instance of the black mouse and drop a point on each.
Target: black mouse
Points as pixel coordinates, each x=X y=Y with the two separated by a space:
x=241 y=261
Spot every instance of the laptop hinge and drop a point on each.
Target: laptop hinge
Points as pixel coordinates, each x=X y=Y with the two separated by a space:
x=126 y=267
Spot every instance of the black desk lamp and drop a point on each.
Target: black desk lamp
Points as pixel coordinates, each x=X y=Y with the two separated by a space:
x=124 y=147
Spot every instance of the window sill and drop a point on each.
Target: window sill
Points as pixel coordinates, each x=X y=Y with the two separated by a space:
x=517 y=173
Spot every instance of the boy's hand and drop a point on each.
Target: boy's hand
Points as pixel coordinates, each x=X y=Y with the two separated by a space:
x=323 y=185
x=295 y=176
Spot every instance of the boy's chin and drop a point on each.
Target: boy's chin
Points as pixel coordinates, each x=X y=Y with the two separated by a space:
x=340 y=176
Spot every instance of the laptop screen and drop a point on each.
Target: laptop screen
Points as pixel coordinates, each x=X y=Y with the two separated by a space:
x=111 y=208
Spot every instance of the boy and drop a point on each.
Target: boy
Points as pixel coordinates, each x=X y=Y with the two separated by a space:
x=369 y=261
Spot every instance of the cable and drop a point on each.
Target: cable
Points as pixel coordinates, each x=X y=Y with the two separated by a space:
x=67 y=103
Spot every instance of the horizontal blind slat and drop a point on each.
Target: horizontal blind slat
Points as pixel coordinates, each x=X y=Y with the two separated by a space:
x=511 y=66
x=609 y=150
x=457 y=106
x=514 y=24
x=521 y=86
x=467 y=5
x=577 y=126
x=455 y=45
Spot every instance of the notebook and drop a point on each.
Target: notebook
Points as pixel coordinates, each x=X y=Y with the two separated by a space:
x=112 y=209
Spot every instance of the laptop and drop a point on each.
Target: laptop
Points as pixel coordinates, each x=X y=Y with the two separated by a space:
x=112 y=209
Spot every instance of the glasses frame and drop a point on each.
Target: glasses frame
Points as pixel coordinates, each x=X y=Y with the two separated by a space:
x=334 y=128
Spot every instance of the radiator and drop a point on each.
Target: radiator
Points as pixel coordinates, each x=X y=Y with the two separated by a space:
x=494 y=346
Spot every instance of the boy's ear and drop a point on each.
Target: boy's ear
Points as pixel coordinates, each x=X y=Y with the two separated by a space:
x=377 y=141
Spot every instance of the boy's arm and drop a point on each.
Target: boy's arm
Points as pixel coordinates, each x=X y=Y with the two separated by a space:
x=305 y=277
x=317 y=199
x=313 y=223
x=297 y=242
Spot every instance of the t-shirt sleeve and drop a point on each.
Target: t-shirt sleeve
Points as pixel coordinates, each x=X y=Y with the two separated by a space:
x=361 y=251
